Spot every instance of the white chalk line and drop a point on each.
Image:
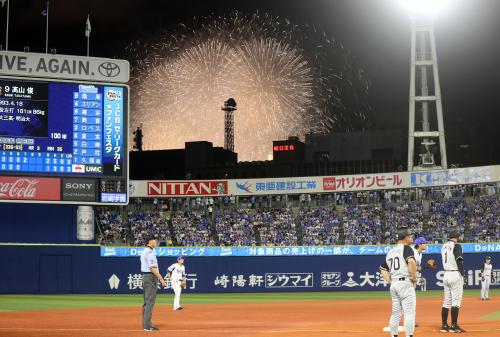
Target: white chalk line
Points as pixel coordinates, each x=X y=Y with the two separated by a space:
x=235 y=329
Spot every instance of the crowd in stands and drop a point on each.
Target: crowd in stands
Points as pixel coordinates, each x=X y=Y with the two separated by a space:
x=320 y=226
x=484 y=222
x=235 y=228
x=450 y=212
x=397 y=215
x=367 y=218
x=143 y=224
x=192 y=228
x=113 y=229
x=362 y=224
x=276 y=227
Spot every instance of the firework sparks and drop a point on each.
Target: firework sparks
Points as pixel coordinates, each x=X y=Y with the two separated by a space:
x=181 y=80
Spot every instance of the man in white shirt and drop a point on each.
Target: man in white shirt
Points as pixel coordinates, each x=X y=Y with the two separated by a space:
x=177 y=275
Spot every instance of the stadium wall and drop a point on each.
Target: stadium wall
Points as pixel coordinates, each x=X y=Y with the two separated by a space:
x=80 y=269
x=38 y=223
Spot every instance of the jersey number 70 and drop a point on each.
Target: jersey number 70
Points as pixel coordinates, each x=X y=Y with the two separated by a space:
x=394 y=262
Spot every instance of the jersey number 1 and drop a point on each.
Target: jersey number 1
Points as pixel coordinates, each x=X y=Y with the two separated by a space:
x=394 y=263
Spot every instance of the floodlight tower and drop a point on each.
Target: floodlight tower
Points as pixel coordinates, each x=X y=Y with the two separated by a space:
x=229 y=108
x=425 y=92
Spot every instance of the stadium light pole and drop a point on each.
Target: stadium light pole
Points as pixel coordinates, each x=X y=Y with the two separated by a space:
x=229 y=108
x=425 y=99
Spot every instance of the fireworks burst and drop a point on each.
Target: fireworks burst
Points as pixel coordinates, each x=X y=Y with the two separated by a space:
x=287 y=80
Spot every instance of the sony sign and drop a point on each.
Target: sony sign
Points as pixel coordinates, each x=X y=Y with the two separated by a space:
x=64 y=67
x=79 y=189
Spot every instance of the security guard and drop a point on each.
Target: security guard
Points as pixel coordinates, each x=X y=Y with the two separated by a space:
x=150 y=274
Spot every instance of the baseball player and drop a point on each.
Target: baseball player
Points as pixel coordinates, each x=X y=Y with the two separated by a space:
x=486 y=278
x=453 y=280
x=419 y=248
x=177 y=275
x=399 y=270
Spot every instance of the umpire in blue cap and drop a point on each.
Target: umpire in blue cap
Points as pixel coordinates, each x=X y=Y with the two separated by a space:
x=150 y=277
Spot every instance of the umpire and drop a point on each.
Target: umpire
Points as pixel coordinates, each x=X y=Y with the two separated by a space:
x=150 y=277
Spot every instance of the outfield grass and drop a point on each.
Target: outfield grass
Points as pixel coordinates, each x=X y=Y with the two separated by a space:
x=51 y=302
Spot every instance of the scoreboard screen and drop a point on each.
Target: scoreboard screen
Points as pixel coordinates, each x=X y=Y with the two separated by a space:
x=73 y=131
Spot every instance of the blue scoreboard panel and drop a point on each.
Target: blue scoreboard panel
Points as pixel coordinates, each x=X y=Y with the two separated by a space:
x=76 y=132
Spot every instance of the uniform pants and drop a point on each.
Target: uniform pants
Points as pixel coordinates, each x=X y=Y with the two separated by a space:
x=404 y=301
x=422 y=282
x=485 y=286
x=150 y=287
x=176 y=286
x=453 y=283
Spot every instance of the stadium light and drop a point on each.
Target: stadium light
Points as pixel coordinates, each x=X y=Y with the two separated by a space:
x=424 y=7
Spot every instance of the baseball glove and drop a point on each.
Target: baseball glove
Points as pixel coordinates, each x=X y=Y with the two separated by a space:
x=183 y=284
x=431 y=263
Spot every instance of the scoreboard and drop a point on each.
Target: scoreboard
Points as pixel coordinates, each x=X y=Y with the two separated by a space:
x=63 y=141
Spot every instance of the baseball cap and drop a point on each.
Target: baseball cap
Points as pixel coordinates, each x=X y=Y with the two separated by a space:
x=403 y=232
x=420 y=241
x=454 y=232
x=180 y=257
x=149 y=238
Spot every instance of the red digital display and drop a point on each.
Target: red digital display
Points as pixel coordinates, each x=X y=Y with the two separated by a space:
x=281 y=148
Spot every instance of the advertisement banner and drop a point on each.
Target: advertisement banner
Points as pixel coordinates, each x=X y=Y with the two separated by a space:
x=468 y=248
x=68 y=67
x=186 y=188
x=312 y=185
x=91 y=273
x=79 y=189
x=85 y=223
x=365 y=182
x=461 y=176
x=113 y=130
x=267 y=186
x=30 y=188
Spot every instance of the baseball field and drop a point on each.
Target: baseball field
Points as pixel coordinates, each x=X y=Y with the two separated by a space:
x=260 y=314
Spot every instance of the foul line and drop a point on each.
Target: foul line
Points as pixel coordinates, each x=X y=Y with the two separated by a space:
x=252 y=330
x=216 y=330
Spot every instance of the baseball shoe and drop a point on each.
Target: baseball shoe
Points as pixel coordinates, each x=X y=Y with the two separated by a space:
x=153 y=328
x=444 y=328
x=456 y=329
x=179 y=308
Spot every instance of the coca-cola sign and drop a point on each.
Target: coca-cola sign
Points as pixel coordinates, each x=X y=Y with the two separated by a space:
x=30 y=188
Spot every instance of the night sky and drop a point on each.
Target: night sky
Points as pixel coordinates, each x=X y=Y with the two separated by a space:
x=376 y=31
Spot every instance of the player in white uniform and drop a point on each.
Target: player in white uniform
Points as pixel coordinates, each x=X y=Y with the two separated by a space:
x=419 y=248
x=399 y=269
x=177 y=275
x=486 y=273
x=453 y=281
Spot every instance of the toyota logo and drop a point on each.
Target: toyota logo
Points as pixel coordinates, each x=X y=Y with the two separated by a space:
x=109 y=69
